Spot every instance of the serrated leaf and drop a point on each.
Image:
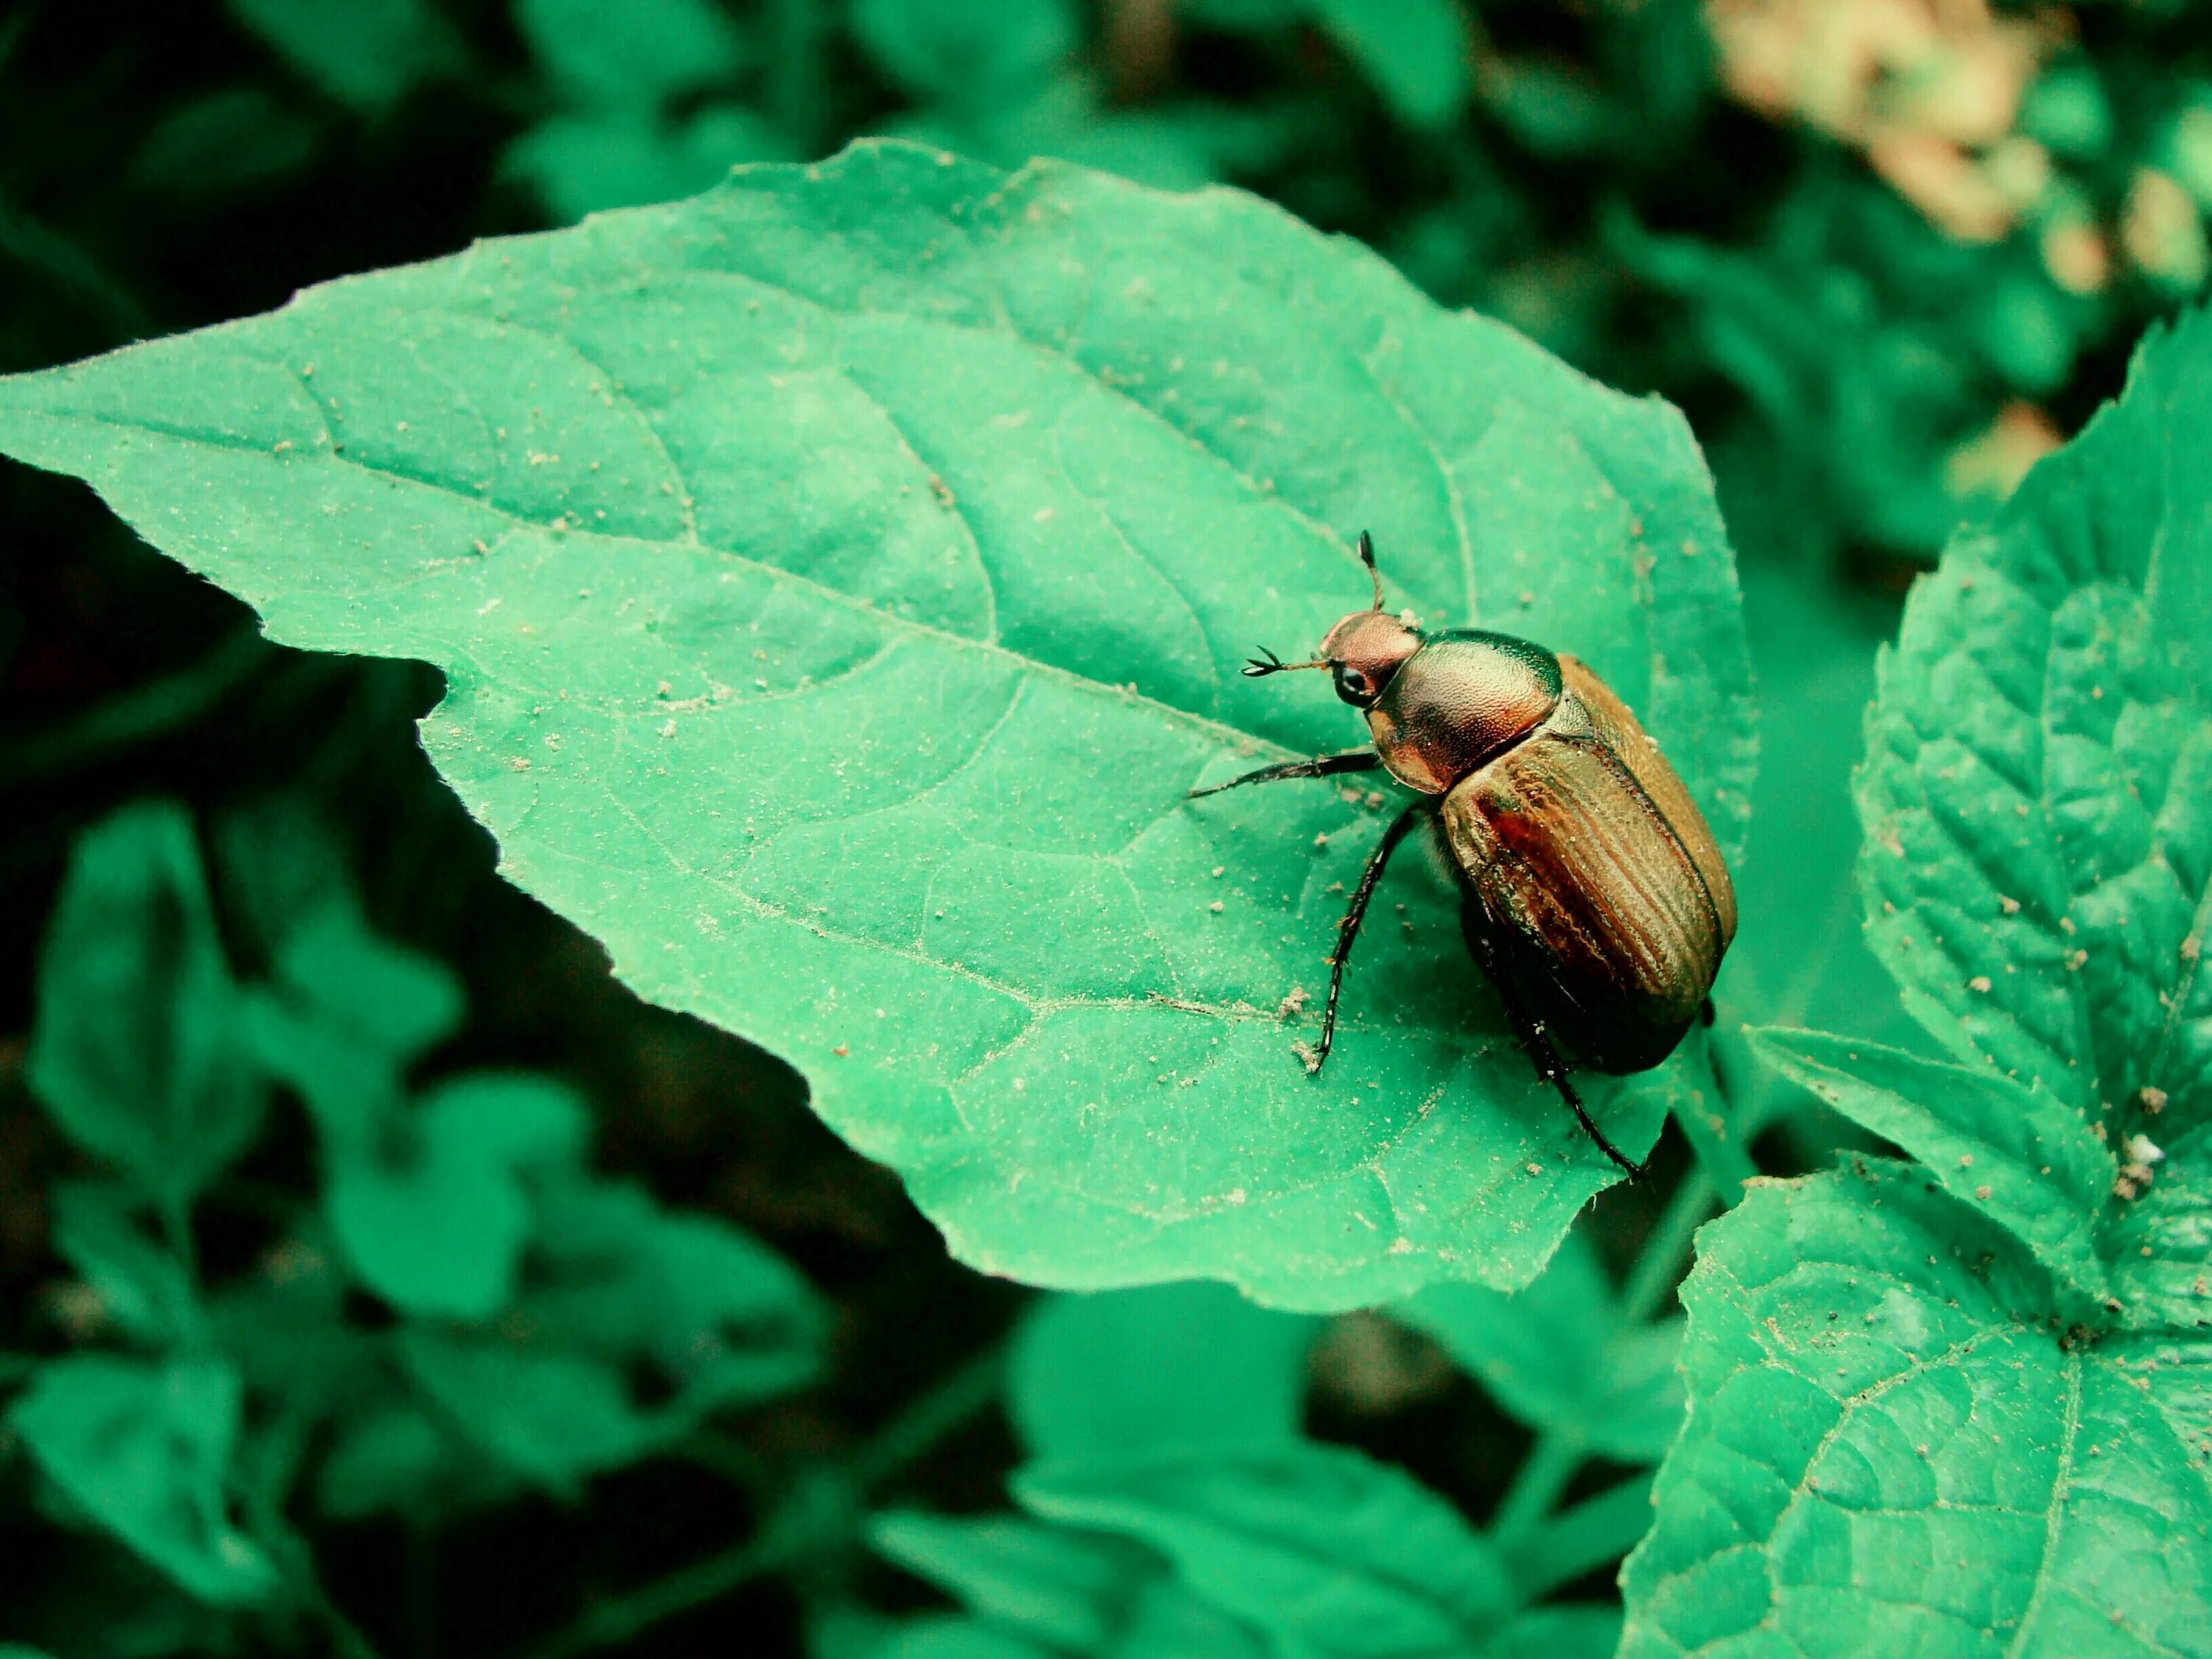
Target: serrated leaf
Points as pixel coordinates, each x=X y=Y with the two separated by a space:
x=1558 y=1357
x=1893 y=1446
x=433 y=1215
x=2038 y=790
x=143 y=1450
x=1134 y=1372
x=2159 y=1243
x=137 y=1052
x=1319 y=1546
x=2022 y=1156
x=841 y=579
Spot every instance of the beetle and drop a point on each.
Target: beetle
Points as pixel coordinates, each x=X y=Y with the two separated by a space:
x=1592 y=893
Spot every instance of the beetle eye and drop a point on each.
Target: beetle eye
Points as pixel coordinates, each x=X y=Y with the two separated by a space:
x=1352 y=685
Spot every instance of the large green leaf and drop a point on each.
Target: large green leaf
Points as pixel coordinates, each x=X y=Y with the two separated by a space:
x=1893 y=1447
x=841 y=578
x=2038 y=790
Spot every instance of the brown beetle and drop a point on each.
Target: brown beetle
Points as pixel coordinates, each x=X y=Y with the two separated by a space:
x=1592 y=893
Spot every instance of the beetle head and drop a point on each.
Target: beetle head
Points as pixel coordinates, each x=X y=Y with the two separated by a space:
x=1363 y=651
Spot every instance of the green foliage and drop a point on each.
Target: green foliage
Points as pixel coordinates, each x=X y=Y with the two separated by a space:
x=1163 y=1520
x=542 y=1324
x=1418 y=53
x=310 y=1278
x=972 y=52
x=1891 y=1446
x=367 y=54
x=143 y=1449
x=137 y=1052
x=1025 y=455
x=1561 y=1356
x=646 y=52
x=1122 y=1374
x=1996 y=1359
x=2038 y=824
x=638 y=122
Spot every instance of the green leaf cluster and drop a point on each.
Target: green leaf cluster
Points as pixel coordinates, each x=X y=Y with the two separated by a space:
x=1964 y=1399
x=634 y=116
x=541 y=1324
x=1171 y=1505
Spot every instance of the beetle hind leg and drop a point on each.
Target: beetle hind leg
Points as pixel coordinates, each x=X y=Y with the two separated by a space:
x=1535 y=1041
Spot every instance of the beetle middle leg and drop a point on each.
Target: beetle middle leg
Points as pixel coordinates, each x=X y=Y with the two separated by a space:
x=1322 y=766
x=1348 y=929
x=1535 y=1039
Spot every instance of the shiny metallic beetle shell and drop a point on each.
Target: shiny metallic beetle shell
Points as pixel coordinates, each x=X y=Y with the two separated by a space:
x=1581 y=855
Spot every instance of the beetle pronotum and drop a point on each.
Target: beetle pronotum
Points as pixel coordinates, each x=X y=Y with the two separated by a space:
x=1592 y=893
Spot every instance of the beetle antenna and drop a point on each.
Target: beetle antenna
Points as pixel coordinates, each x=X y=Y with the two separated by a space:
x=1367 y=558
x=1268 y=663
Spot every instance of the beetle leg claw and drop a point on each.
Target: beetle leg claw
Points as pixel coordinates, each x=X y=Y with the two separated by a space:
x=1536 y=1042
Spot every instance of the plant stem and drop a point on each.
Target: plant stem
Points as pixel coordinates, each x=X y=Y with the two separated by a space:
x=618 y=1618
x=917 y=1431
x=1597 y=1530
x=1717 y=1136
x=797 y=1528
x=138 y=715
x=1659 y=1267
x=1543 y=1475
x=31 y=243
x=795 y=71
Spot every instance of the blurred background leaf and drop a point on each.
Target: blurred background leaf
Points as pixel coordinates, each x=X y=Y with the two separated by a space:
x=1884 y=253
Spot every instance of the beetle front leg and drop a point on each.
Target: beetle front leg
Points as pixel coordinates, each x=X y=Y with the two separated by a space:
x=1535 y=1041
x=1348 y=929
x=1322 y=766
